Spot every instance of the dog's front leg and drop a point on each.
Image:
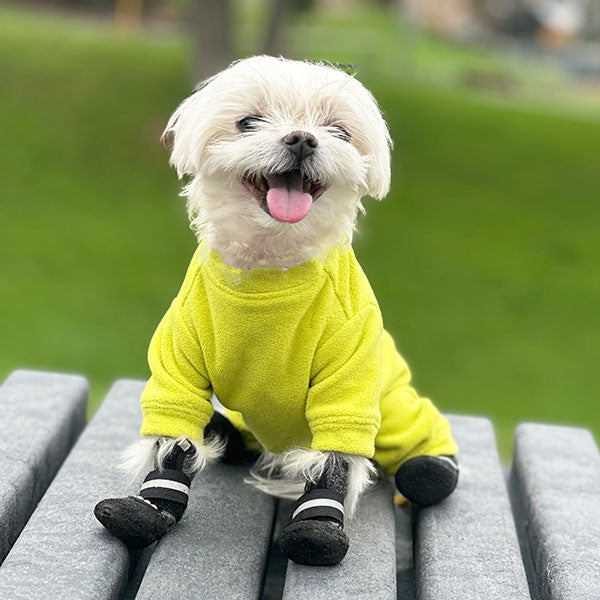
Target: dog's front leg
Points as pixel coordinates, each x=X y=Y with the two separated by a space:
x=141 y=520
x=334 y=482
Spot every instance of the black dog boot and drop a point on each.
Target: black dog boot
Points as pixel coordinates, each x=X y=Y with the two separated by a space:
x=315 y=535
x=134 y=521
x=139 y=521
x=427 y=480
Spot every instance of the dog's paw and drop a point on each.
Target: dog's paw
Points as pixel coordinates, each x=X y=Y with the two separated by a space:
x=133 y=520
x=314 y=542
x=427 y=480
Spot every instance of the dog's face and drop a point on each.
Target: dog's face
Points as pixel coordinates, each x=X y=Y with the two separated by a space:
x=280 y=153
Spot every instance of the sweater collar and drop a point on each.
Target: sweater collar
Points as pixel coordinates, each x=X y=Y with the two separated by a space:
x=260 y=280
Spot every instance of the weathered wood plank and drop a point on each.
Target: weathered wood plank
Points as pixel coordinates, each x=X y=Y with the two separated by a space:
x=63 y=552
x=466 y=547
x=41 y=416
x=369 y=569
x=219 y=549
x=555 y=484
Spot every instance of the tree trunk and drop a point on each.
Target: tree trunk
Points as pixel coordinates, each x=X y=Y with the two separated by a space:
x=274 y=43
x=211 y=27
x=128 y=13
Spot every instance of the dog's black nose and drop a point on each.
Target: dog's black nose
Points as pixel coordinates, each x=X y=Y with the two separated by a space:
x=301 y=144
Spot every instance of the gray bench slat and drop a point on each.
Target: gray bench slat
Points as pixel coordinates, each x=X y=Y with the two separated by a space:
x=219 y=549
x=63 y=552
x=555 y=482
x=466 y=547
x=41 y=416
x=369 y=569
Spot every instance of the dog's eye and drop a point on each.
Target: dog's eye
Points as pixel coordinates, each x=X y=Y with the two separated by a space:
x=340 y=132
x=249 y=123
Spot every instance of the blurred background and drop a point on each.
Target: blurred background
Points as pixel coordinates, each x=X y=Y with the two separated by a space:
x=492 y=224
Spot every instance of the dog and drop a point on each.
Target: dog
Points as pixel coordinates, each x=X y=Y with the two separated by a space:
x=276 y=317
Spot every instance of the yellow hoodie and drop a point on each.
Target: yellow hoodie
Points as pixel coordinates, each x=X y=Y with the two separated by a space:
x=297 y=357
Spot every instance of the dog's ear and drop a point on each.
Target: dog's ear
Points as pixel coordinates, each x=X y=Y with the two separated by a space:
x=380 y=144
x=183 y=134
x=167 y=139
x=173 y=136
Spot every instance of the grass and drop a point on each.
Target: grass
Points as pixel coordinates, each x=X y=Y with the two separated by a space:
x=484 y=256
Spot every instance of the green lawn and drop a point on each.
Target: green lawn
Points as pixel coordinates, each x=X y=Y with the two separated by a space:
x=485 y=256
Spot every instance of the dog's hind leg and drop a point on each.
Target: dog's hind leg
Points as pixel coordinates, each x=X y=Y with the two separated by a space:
x=235 y=452
x=427 y=480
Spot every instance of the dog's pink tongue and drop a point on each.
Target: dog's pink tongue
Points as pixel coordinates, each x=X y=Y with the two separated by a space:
x=285 y=198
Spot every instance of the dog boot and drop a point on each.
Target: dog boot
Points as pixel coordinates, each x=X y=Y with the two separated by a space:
x=139 y=521
x=315 y=535
x=426 y=480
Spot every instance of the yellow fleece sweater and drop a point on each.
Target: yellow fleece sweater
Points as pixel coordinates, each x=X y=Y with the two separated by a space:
x=297 y=357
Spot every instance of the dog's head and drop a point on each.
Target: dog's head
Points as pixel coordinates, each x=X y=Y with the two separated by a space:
x=280 y=153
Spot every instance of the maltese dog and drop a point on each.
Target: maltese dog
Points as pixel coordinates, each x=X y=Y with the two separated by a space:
x=276 y=325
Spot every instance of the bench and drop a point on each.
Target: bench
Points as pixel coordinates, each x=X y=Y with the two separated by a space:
x=534 y=534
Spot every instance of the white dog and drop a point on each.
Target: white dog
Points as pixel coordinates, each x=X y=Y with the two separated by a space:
x=276 y=317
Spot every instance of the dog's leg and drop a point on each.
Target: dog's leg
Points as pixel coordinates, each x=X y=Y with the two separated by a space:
x=236 y=452
x=315 y=535
x=141 y=520
x=427 y=480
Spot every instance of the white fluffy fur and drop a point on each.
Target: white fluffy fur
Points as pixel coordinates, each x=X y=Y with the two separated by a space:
x=289 y=95
x=138 y=459
x=284 y=475
x=205 y=453
x=208 y=148
x=142 y=456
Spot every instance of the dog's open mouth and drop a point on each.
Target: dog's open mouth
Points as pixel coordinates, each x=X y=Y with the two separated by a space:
x=287 y=197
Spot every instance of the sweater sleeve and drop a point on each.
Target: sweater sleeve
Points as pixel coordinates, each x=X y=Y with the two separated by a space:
x=176 y=399
x=343 y=399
